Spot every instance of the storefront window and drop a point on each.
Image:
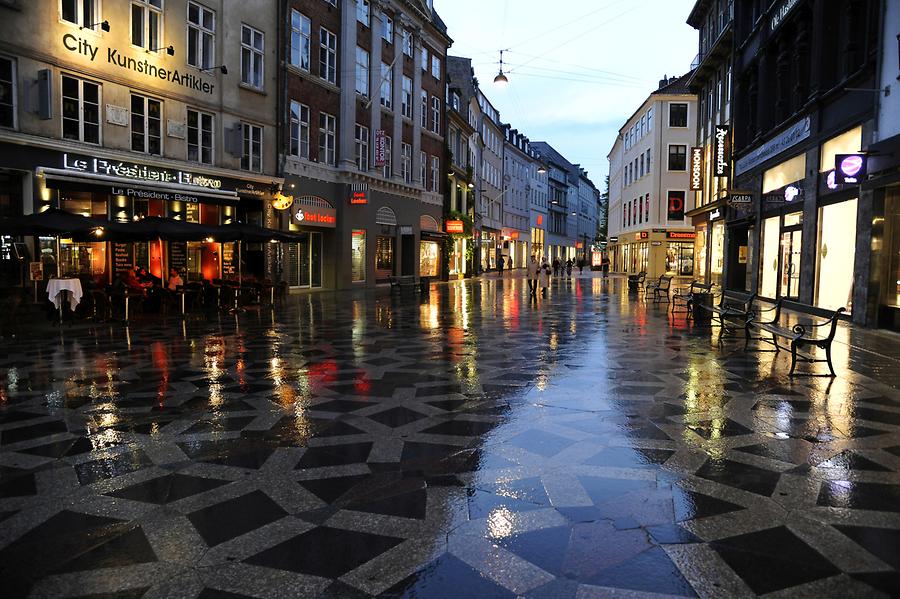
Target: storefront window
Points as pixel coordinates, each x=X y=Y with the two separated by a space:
x=83 y=259
x=384 y=257
x=644 y=260
x=358 y=255
x=769 y=263
x=717 y=249
x=835 y=256
x=891 y=285
x=679 y=259
x=84 y=203
x=787 y=172
x=848 y=142
x=700 y=253
x=429 y=259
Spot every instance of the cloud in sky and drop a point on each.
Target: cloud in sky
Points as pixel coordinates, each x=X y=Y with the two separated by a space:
x=576 y=70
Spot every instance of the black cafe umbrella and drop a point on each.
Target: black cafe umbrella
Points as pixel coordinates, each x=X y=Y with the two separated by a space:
x=52 y=221
x=168 y=229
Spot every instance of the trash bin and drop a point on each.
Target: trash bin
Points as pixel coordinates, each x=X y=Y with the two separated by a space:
x=703 y=301
x=634 y=283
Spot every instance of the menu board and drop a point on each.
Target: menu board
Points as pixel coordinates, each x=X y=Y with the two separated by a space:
x=178 y=256
x=123 y=257
x=229 y=267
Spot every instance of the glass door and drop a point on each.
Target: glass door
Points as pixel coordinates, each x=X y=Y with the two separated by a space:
x=790 y=264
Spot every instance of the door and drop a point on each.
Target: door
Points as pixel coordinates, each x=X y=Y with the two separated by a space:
x=790 y=264
x=408 y=255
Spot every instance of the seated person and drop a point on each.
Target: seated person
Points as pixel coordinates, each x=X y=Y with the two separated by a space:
x=175 y=280
x=146 y=278
x=131 y=281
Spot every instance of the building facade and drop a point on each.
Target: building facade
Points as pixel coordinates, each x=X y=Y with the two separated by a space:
x=588 y=196
x=121 y=110
x=462 y=141
x=805 y=236
x=520 y=167
x=649 y=185
x=562 y=205
x=490 y=183
x=712 y=80
x=363 y=151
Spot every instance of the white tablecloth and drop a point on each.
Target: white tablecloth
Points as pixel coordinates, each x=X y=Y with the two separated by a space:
x=55 y=287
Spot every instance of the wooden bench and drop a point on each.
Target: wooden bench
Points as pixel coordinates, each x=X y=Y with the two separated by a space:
x=686 y=295
x=662 y=286
x=636 y=282
x=733 y=306
x=405 y=282
x=800 y=335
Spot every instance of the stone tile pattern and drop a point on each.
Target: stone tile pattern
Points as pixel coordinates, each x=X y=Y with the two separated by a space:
x=472 y=442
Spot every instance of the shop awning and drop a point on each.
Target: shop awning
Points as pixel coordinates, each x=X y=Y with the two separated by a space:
x=55 y=178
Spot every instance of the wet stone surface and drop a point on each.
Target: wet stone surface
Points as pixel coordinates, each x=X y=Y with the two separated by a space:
x=469 y=443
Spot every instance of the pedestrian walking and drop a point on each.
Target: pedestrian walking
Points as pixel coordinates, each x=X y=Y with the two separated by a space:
x=581 y=266
x=544 y=277
x=569 y=268
x=605 y=266
x=500 y=265
x=534 y=271
x=556 y=266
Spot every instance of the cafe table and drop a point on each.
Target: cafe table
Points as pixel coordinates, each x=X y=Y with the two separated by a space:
x=62 y=289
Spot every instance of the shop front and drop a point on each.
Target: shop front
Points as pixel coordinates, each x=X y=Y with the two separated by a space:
x=431 y=243
x=680 y=253
x=120 y=191
x=490 y=248
x=515 y=248
x=302 y=264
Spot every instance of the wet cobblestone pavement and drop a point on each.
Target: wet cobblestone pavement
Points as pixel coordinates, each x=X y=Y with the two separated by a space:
x=474 y=444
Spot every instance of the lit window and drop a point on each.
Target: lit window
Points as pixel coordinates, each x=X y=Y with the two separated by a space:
x=251 y=156
x=299 y=130
x=300 y=40
x=146 y=23
x=201 y=36
x=252 y=48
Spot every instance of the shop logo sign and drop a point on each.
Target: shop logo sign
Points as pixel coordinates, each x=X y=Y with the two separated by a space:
x=740 y=197
x=696 y=169
x=380 y=147
x=722 y=151
x=780 y=13
x=850 y=168
x=454 y=226
x=676 y=205
x=136 y=171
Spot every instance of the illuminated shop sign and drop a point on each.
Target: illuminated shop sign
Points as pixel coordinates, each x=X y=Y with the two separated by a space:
x=776 y=145
x=696 y=169
x=681 y=235
x=850 y=168
x=282 y=202
x=316 y=217
x=722 y=151
x=152 y=194
x=454 y=226
x=380 y=147
x=781 y=12
x=642 y=235
x=740 y=197
x=359 y=194
x=83 y=46
x=786 y=195
x=676 y=205
x=613 y=239
x=137 y=172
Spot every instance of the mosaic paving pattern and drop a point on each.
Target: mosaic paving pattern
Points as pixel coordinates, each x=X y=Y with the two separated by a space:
x=474 y=443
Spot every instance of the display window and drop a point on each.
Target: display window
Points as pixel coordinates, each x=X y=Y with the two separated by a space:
x=384 y=257
x=835 y=255
x=848 y=142
x=717 y=252
x=358 y=255
x=788 y=171
x=679 y=259
x=769 y=263
x=700 y=253
x=429 y=259
x=890 y=291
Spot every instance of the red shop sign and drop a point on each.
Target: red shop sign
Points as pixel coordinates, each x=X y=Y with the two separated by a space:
x=455 y=226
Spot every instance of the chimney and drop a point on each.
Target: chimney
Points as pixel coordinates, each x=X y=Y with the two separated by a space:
x=663 y=82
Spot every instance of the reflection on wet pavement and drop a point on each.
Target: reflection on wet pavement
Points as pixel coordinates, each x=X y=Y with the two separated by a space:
x=469 y=443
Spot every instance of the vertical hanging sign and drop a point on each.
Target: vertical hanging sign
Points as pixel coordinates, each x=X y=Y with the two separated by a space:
x=696 y=169
x=380 y=147
x=722 y=151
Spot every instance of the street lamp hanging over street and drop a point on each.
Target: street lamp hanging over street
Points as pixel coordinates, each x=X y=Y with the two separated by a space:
x=501 y=79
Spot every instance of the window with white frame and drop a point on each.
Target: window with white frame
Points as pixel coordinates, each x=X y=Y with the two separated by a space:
x=423 y=168
x=251 y=156
x=436 y=114
x=199 y=136
x=327 y=126
x=424 y=108
x=327 y=56
x=80 y=12
x=406 y=161
x=7 y=92
x=201 y=36
x=436 y=67
x=146 y=23
x=388 y=157
x=80 y=110
x=407 y=43
x=299 y=130
x=387 y=86
x=362 y=148
x=406 y=98
x=252 y=48
x=387 y=31
x=435 y=173
x=146 y=125
x=362 y=12
x=300 y=40
x=362 y=71
x=425 y=59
